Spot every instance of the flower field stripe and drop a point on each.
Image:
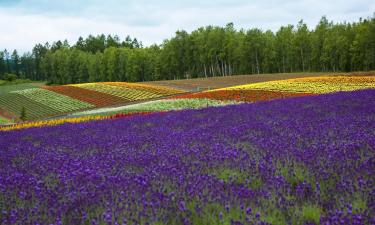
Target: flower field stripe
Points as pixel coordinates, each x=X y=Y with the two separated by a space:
x=157 y=106
x=50 y=123
x=176 y=104
x=122 y=92
x=338 y=79
x=54 y=122
x=159 y=90
x=242 y=95
x=92 y=97
x=54 y=100
x=317 y=85
x=303 y=160
x=14 y=102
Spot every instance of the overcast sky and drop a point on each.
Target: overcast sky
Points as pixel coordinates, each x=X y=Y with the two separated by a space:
x=23 y=23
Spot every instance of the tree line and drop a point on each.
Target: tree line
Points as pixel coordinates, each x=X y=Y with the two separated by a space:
x=205 y=52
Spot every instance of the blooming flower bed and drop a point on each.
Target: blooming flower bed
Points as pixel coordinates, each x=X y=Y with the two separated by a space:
x=292 y=161
x=13 y=102
x=55 y=122
x=128 y=94
x=56 y=100
x=317 y=85
x=93 y=97
x=159 y=90
x=53 y=100
x=158 y=106
x=242 y=95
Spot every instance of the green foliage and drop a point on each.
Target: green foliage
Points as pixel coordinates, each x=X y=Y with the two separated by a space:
x=311 y=213
x=4 y=120
x=295 y=173
x=275 y=217
x=229 y=175
x=14 y=82
x=10 y=77
x=23 y=114
x=359 y=203
x=211 y=214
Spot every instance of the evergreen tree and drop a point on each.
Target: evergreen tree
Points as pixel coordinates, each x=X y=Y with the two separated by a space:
x=23 y=114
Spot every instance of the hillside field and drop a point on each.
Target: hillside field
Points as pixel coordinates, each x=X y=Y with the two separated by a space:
x=291 y=151
x=45 y=101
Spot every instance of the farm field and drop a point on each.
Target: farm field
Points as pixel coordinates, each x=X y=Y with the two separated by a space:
x=13 y=102
x=241 y=95
x=249 y=113
x=269 y=162
x=45 y=101
x=199 y=84
x=294 y=151
x=158 y=106
x=80 y=99
x=253 y=92
x=312 y=85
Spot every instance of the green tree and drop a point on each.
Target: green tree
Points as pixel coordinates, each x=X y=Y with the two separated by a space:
x=204 y=52
x=15 y=62
x=23 y=114
x=2 y=64
x=303 y=46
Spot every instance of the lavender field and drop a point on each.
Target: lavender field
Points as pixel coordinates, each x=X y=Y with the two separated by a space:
x=304 y=160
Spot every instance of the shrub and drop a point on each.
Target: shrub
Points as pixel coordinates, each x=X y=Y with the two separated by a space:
x=10 y=77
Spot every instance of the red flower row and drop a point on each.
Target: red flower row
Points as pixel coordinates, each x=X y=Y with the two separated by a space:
x=243 y=95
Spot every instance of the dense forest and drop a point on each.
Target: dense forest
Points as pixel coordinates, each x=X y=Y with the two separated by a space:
x=205 y=52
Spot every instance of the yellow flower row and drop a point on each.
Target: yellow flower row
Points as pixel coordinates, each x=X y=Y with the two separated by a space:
x=51 y=122
x=337 y=79
x=317 y=85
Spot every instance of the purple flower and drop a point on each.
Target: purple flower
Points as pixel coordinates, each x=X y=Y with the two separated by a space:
x=283 y=154
x=248 y=211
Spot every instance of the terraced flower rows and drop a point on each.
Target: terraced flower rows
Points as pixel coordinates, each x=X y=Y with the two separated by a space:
x=118 y=91
x=55 y=100
x=14 y=102
x=59 y=102
x=162 y=91
x=317 y=85
x=285 y=88
x=93 y=97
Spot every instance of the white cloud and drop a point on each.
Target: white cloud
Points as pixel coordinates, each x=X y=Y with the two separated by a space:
x=22 y=32
x=27 y=22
